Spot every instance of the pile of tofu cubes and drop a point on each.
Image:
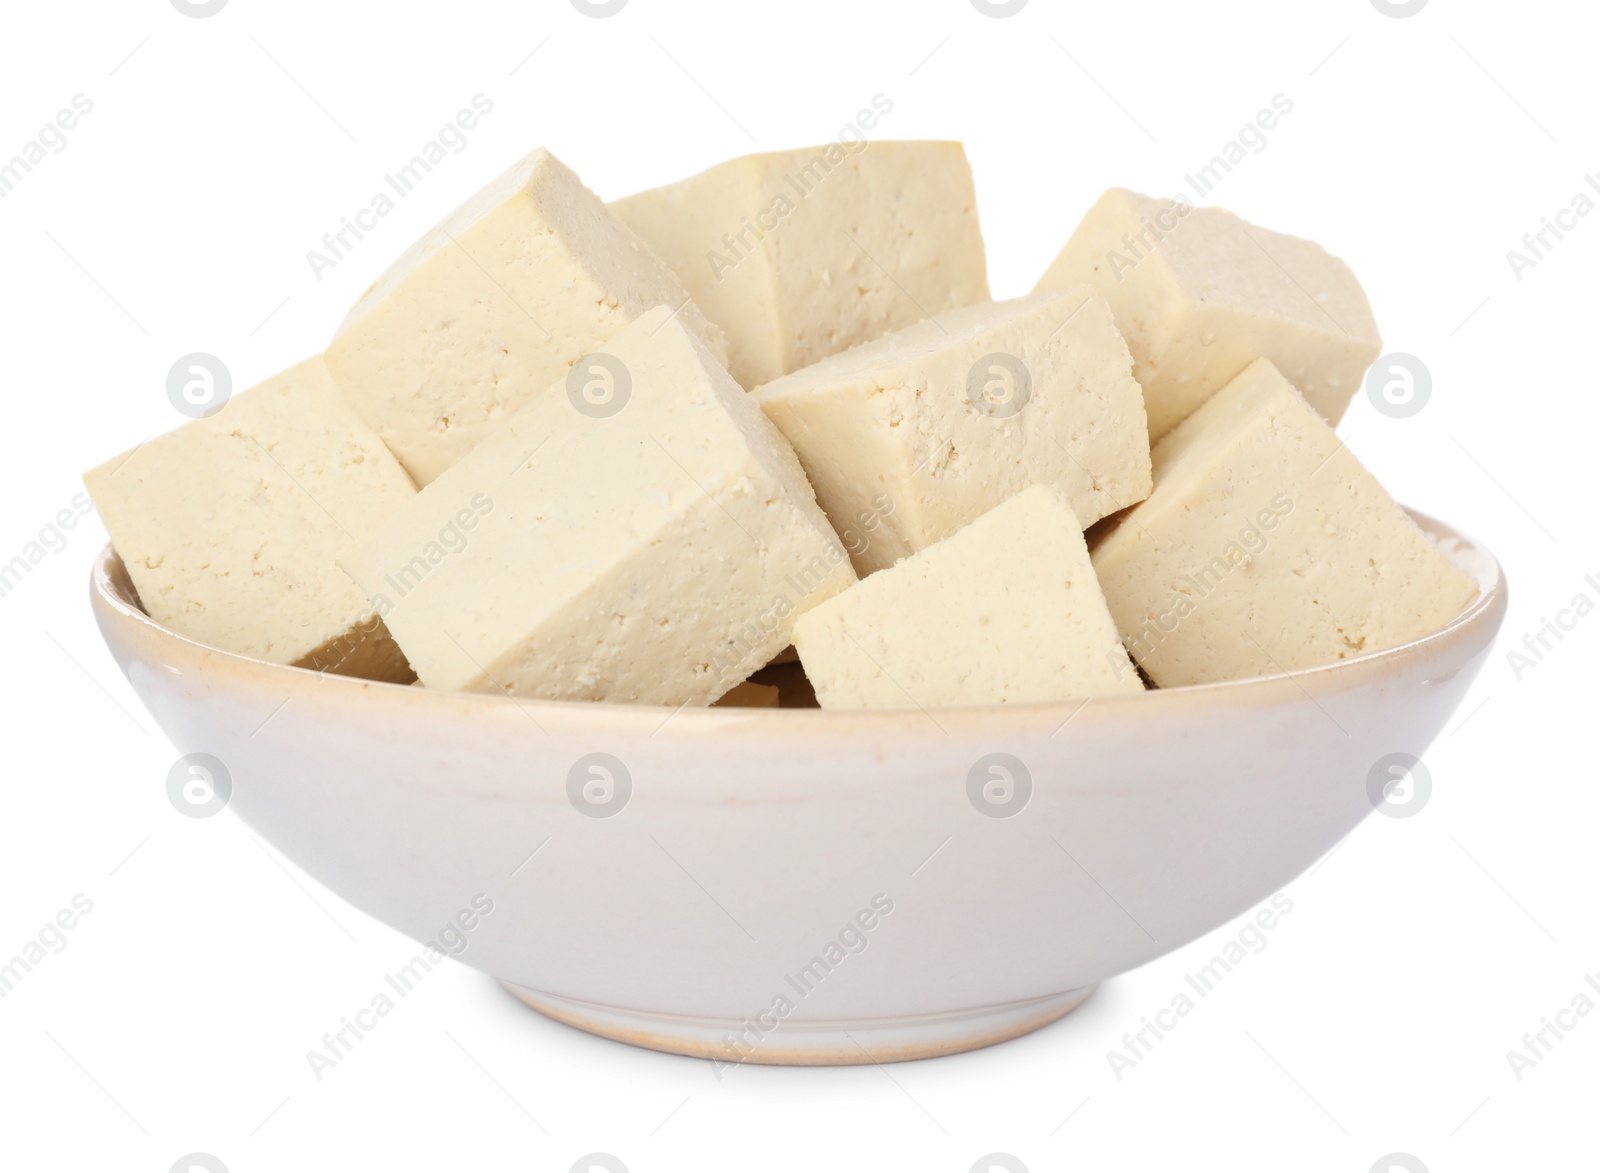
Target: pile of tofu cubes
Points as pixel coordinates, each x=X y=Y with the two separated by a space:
x=647 y=451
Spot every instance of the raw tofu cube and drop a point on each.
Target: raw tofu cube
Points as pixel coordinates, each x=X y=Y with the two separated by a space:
x=1265 y=547
x=639 y=533
x=1199 y=294
x=802 y=254
x=493 y=306
x=231 y=526
x=910 y=437
x=1005 y=612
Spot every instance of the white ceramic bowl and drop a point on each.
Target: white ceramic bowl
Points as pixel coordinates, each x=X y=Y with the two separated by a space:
x=800 y=886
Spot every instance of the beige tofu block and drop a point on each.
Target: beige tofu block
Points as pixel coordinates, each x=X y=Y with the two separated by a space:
x=1200 y=294
x=802 y=254
x=1266 y=547
x=231 y=526
x=492 y=307
x=651 y=544
x=1005 y=612
x=910 y=437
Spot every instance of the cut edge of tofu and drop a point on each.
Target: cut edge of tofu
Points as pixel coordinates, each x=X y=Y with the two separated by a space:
x=657 y=211
x=903 y=348
x=530 y=176
x=1205 y=439
x=349 y=637
x=442 y=235
x=1204 y=445
x=882 y=587
x=657 y=214
x=765 y=448
x=1211 y=276
x=884 y=370
x=767 y=158
x=1188 y=280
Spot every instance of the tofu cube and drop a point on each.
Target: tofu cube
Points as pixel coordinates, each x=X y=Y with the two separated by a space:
x=493 y=306
x=639 y=533
x=912 y=436
x=1266 y=547
x=1199 y=294
x=231 y=526
x=1005 y=612
x=802 y=254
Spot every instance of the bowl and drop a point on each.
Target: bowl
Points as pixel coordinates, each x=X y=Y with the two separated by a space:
x=801 y=886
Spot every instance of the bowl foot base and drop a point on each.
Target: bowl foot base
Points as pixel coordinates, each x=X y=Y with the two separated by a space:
x=794 y=1042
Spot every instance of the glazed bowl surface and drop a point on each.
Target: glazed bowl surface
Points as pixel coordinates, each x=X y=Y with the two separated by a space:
x=799 y=885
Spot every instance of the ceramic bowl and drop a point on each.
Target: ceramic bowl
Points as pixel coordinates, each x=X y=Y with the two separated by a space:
x=794 y=885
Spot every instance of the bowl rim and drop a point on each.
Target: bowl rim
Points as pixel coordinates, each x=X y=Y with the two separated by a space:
x=1471 y=631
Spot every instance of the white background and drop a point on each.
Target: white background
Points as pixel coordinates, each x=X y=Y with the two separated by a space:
x=177 y=219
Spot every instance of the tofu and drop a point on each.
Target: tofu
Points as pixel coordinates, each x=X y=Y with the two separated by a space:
x=1199 y=294
x=1005 y=612
x=1266 y=547
x=651 y=544
x=910 y=437
x=801 y=254
x=491 y=307
x=231 y=526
